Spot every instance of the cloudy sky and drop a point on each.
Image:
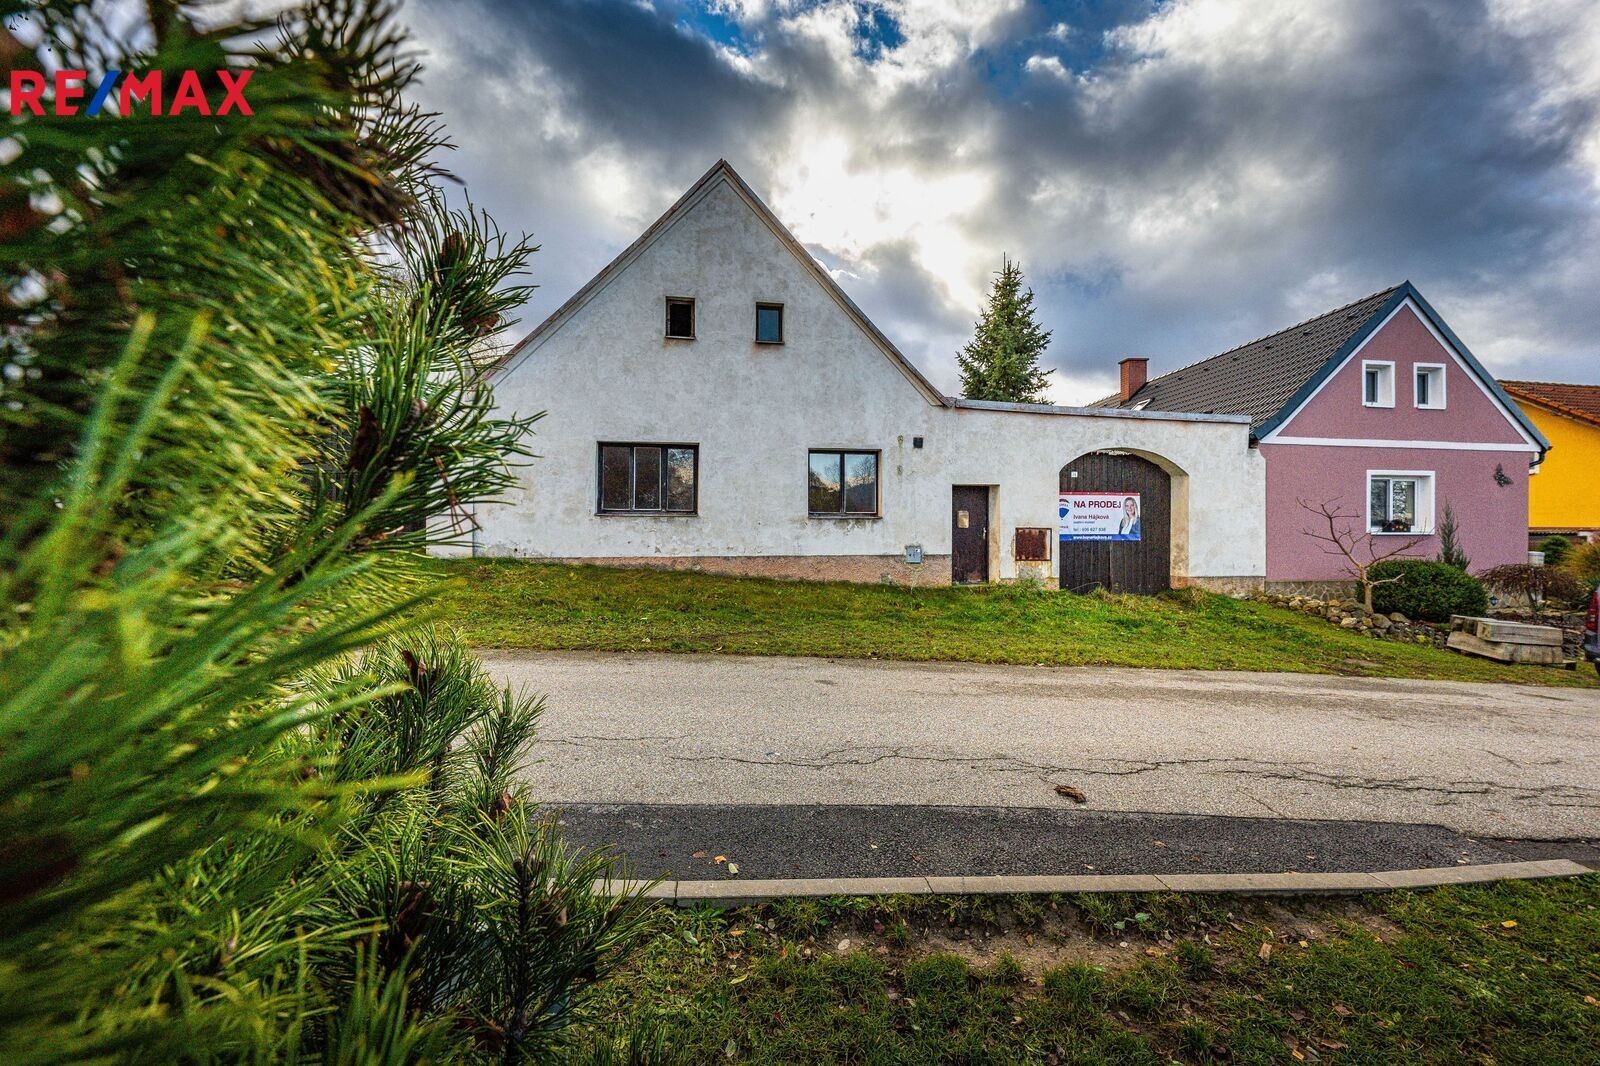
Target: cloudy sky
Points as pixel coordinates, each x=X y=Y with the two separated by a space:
x=1175 y=177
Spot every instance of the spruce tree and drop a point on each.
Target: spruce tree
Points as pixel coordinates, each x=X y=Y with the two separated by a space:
x=1001 y=362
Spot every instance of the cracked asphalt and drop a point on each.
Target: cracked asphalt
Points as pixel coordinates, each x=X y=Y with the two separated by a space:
x=1496 y=761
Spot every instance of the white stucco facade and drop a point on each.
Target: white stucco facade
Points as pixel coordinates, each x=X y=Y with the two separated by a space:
x=602 y=371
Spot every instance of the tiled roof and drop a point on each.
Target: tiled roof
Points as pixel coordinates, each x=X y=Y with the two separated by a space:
x=1581 y=402
x=1259 y=378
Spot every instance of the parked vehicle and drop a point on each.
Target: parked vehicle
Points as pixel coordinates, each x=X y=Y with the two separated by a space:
x=1591 y=629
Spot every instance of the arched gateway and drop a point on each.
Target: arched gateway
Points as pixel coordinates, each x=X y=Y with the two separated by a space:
x=1116 y=524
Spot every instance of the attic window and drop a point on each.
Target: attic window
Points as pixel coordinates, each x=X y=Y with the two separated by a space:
x=680 y=318
x=769 y=323
x=1429 y=395
x=1377 y=384
x=1140 y=406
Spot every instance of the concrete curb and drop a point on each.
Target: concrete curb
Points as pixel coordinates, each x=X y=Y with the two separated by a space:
x=733 y=891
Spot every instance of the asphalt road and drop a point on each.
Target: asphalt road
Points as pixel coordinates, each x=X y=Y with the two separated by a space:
x=698 y=842
x=1483 y=760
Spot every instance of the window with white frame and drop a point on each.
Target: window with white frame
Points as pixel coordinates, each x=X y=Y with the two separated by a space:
x=1377 y=384
x=1400 y=502
x=1428 y=386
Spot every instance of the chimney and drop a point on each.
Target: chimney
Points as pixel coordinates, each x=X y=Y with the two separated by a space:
x=1135 y=371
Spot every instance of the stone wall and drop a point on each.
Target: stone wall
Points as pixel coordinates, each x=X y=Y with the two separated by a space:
x=1349 y=614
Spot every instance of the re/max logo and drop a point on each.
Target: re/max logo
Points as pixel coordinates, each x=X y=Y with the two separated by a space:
x=72 y=86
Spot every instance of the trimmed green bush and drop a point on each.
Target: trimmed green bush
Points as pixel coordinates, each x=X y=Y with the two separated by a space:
x=1555 y=549
x=1427 y=590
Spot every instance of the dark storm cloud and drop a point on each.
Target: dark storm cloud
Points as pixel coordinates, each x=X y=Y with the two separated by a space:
x=1175 y=178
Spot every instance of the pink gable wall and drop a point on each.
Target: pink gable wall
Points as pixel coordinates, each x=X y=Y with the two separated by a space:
x=1336 y=411
x=1493 y=518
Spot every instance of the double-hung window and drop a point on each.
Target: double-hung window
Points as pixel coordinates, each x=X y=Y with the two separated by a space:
x=1400 y=502
x=649 y=478
x=842 y=484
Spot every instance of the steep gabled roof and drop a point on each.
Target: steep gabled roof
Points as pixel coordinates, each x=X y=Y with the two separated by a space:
x=721 y=171
x=1259 y=378
x=1272 y=378
x=1578 y=402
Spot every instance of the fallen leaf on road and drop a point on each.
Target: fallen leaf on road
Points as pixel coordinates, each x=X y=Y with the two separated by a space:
x=733 y=867
x=698 y=855
x=720 y=859
x=1074 y=794
x=1265 y=952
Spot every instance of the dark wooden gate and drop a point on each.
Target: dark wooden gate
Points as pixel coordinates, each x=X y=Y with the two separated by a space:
x=969 y=534
x=1143 y=566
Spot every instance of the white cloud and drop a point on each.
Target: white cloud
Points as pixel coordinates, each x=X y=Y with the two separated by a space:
x=1050 y=65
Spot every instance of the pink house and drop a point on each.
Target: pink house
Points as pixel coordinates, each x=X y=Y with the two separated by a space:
x=1379 y=409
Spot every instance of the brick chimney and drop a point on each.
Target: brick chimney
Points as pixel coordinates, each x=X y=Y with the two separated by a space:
x=1135 y=372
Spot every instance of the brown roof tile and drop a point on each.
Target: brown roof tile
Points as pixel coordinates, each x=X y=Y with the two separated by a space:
x=1258 y=378
x=1576 y=401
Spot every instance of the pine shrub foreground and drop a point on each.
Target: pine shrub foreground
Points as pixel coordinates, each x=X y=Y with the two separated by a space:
x=252 y=807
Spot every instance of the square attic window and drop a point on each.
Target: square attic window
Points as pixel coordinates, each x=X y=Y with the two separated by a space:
x=680 y=318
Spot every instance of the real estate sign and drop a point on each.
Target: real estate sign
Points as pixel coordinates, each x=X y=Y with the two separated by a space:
x=1100 y=515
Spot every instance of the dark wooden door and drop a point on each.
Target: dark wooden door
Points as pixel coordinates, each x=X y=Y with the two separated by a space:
x=969 y=534
x=1144 y=565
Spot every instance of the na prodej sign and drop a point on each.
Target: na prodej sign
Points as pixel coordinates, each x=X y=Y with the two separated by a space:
x=1100 y=515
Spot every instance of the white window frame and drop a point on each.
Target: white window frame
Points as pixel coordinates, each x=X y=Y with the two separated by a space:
x=1437 y=373
x=1424 y=503
x=1386 y=396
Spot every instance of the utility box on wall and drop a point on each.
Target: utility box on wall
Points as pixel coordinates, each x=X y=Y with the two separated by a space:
x=1032 y=545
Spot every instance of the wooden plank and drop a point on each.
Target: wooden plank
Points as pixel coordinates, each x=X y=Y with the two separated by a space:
x=1471 y=644
x=1517 y=632
x=1504 y=632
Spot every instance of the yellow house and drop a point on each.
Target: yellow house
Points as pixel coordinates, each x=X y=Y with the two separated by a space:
x=1565 y=496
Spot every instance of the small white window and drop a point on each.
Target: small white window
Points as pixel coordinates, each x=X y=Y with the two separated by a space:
x=1429 y=388
x=1377 y=384
x=1400 y=502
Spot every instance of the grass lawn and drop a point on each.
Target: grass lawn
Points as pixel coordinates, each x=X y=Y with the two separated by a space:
x=1507 y=973
x=515 y=604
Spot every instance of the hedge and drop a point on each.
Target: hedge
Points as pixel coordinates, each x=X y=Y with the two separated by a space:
x=1427 y=590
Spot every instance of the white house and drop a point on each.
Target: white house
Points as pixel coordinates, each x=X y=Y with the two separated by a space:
x=716 y=402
